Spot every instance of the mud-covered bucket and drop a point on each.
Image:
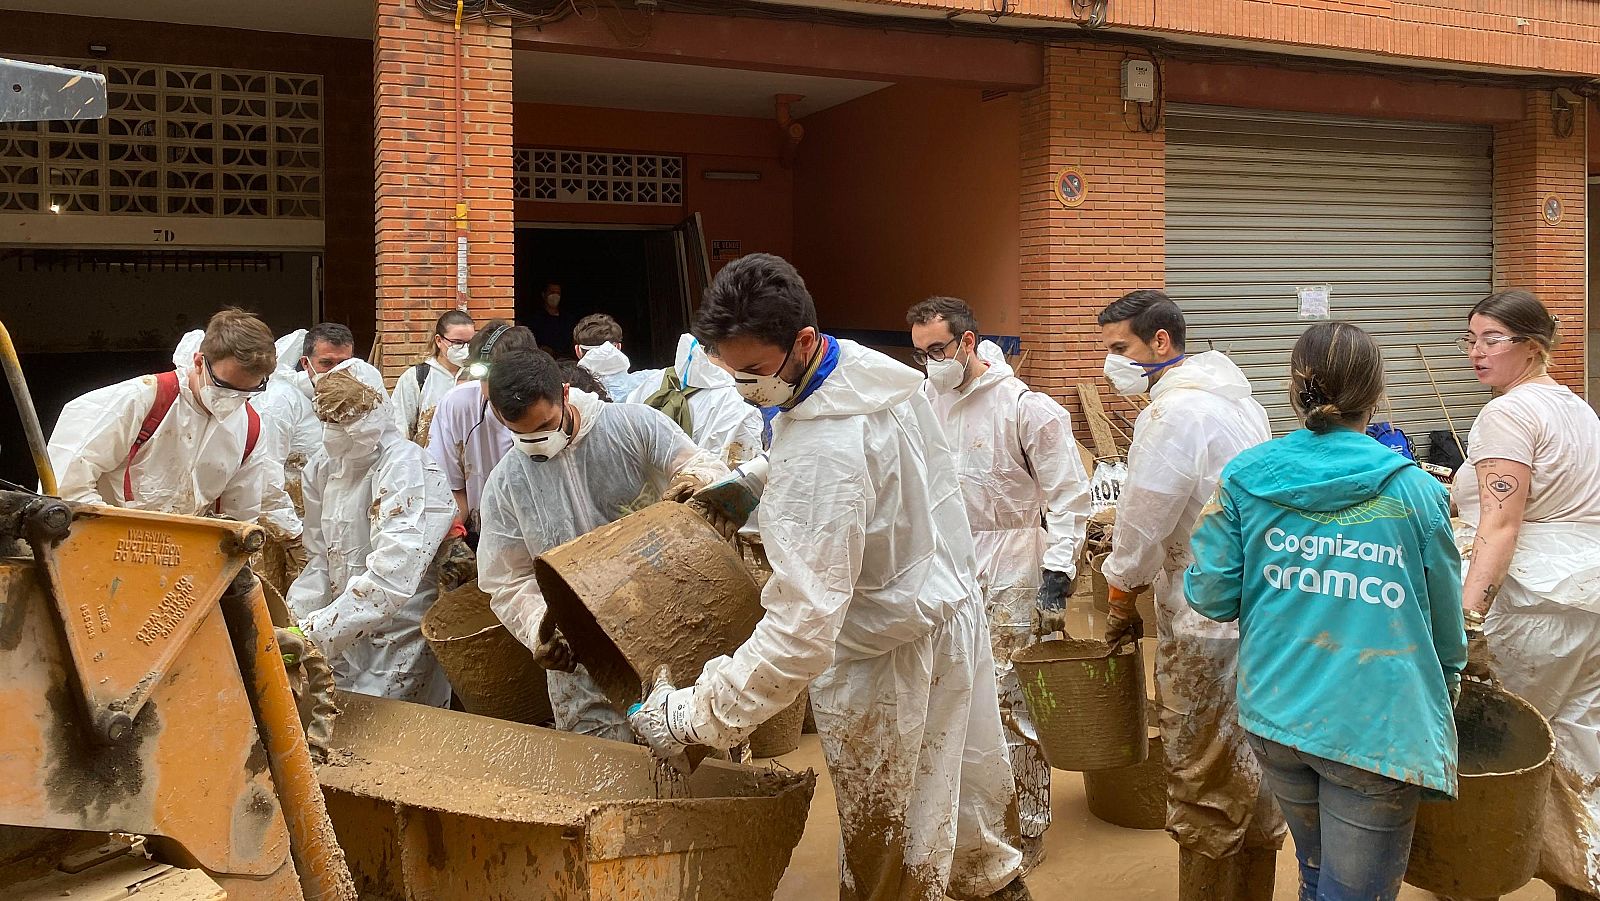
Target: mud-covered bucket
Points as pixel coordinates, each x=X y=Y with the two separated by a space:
x=1087 y=702
x=781 y=734
x=1486 y=842
x=491 y=671
x=1133 y=797
x=656 y=587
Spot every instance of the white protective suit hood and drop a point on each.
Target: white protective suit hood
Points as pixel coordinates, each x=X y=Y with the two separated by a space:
x=291 y=348
x=607 y=359
x=724 y=424
x=695 y=367
x=1210 y=371
x=356 y=443
x=871 y=383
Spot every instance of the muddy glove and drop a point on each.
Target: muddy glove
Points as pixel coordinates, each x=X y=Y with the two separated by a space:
x=1478 y=660
x=1123 y=623
x=292 y=643
x=296 y=554
x=728 y=502
x=554 y=653
x=683 y=487
x=662 y=721
x=1054 y=589
x=1455 y=694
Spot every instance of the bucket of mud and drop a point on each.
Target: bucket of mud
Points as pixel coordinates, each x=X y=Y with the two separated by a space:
x=1087 y=702
x=491 y=671
x=657 y=587
x=781 y=734
x=1486 y=842
x=1133 y=797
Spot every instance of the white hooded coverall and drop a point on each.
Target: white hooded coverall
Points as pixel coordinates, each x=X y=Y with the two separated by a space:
x=286 y=404
x=377 y=509
x=411 y=402
x=724 y=424
x=610 y=365
x=191 y=465
x=620 y=452
x=1201 y=415
x=1027 y=499
x=873 y=601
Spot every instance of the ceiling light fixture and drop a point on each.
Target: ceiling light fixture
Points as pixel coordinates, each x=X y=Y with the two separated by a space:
x=730 y=175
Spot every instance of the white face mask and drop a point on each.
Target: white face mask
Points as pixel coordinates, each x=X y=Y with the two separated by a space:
x=1127 y=377
x=221 y=402
x=541 y=446
x=456 y=354
x=765 y=390
x=946 y=375
x=553 y=300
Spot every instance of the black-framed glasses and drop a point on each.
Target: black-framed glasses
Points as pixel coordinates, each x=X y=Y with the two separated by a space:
x=458 y=342
x=937 y=354
x=212 y=375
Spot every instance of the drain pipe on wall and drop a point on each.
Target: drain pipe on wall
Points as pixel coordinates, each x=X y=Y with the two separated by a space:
x=461 y=164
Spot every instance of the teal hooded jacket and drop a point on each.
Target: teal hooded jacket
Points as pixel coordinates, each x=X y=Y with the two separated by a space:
x=1335 y=554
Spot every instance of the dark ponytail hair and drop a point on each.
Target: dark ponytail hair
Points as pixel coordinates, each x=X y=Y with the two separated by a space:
x=448 y=320
x=1336 y=376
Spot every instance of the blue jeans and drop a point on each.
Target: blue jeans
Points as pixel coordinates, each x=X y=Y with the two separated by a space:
x=1352 y=828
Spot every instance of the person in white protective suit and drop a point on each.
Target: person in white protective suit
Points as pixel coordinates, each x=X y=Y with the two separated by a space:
x=700 y=397
x=1201 y=415
x=872 y=601
x=420 y=388
x=597 y=342
x=1529 y=497
x=466 y=439
x=377 y=510
x=577 y=463
x=186 y=442
x=1027 y=499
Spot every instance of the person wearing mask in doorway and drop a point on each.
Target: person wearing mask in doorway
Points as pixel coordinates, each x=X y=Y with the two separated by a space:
x=1336 y=558
x=186 y=441
x=1027 y=499
x=1529 y=498
x=466 y=439
x=550 y=323
x=873 y=602
x=1201 y=415
x=577 y=463
x=377 y=510
x=701 y=398
x=420 y=388
x=597 y=340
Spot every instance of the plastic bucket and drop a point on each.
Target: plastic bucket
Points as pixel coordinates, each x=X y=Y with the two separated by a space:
x=491 y=671
x=1133 y=797
x=657 y=587
x=781 y=734
x=1486 y=842
x=1087 y=702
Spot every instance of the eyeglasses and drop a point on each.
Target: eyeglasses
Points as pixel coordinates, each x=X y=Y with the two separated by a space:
x=937 y=354
x=458 y=342
x=212 y=375
x=1492 y=344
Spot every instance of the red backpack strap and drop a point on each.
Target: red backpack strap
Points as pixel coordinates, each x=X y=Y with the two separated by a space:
x=166 y=396
x=252 y=432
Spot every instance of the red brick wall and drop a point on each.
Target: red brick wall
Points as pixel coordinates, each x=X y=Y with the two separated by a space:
x=1076 y=261
x=347 y=114
x=415 y=151
x=1532 y=164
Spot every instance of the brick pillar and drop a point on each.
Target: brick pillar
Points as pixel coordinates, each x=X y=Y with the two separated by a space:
x=414 y=104
x=1075 y=260
x=1531 y=165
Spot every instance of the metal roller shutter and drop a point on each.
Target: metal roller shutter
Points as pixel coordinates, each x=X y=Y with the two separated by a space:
x=1396 y=216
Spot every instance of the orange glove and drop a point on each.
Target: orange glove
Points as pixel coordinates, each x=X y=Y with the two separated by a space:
x=1123 y=623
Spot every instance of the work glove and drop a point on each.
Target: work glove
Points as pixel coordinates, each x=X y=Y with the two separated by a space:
x=683 y=487
x=296 y=554
x=728 y=502
x=1123 y=623
x=554 y=653
x=661 y=721
x=1054 y=589
x=1479 y=664
x=1455 y=694
x=292 y=644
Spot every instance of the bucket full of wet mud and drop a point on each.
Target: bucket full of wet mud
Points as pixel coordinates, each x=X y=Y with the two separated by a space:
x=1486 y=842
x=1087 y=701
x=491 y=671
x=657 y=587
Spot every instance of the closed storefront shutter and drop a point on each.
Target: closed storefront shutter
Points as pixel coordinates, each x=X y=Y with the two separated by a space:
x=1395 y=217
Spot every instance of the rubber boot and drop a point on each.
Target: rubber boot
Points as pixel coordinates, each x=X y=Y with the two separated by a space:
x=1246 y=876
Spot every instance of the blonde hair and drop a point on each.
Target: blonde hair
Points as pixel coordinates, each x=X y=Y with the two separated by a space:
x=235 y=334
x=1336 y=375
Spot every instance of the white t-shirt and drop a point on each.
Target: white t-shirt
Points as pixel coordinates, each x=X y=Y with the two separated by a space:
x=467 y=440
x=1556 y=434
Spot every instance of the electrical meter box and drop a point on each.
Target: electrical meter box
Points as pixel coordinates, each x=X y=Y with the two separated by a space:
x=1139 y=80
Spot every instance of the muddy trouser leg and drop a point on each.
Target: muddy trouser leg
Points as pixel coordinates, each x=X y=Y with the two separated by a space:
x=1028 y=765
x=1352 y=828
x=1551 y=659
x=581 y=707
x=985 y=861
x=1226 y=823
